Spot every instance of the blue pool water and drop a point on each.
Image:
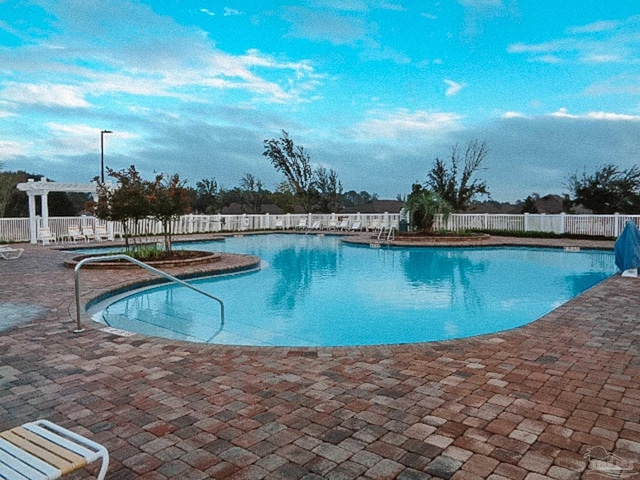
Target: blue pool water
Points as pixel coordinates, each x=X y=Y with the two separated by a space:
x=317 y=291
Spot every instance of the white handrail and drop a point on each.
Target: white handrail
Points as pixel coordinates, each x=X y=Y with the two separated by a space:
x=106 y=258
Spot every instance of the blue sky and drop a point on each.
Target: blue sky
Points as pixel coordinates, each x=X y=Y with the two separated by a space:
x=373 y=89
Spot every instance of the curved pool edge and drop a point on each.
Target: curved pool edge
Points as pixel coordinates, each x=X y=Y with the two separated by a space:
x=229 y=263
x=556 y=323
x=127 y=289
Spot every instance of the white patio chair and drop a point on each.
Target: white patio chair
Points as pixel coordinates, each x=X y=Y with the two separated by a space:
x=73 y=234
x=356 y=226
x=88 y=233
x=9 y=253
x=279 y=224
x=44 y=450
x=45 y=236
x=344 y=225
x=375 y=226
x=101 y=233
x=302 y=224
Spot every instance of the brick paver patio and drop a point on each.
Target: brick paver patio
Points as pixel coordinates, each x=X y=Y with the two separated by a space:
x=523 y=404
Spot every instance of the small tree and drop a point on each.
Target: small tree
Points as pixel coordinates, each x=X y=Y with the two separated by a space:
x=424 y=205
x=459 y=188
x=128 y=201
x=253 y=195
x=608 y=190
x=208 y=198
x=284 y=198
x=294 y=162
x=529 y=204
x=168 y=201
x=329 y=190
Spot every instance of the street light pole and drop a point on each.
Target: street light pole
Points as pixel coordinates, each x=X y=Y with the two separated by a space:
x=102 y=132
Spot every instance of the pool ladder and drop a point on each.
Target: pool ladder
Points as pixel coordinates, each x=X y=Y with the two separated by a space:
x=160 y=273
x=391 y=234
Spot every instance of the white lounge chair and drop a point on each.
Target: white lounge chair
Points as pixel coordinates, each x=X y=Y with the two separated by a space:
x=375 y=226
x=101 y=233
x=9 y=253
x=302 y=224
x=88 y=233
x=45 y=236
x=356 y=226
x=317 y=225
x=279 y=224
x=44 y=450
x=333 y=225
x=73 y=233
x=344 y=225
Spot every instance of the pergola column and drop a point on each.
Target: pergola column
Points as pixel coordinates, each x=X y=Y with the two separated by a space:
x=33 y=227
x=44 y=203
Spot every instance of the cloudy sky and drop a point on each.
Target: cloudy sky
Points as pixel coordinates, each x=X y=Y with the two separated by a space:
x=374 y=89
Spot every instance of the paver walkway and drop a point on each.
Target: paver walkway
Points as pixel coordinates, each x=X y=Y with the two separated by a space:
x=525 y=404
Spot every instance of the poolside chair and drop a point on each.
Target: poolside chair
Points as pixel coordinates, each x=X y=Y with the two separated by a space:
x=375 y=226
x=44 y=450
x=73 y=233
x=344 y=225
x=9 y=253
x=279 y=224
x=333 y=225
x=45 y=236
x=101 y=233
x=88 y=233
x=302 y=224
x=356 y=226
x=317 y=225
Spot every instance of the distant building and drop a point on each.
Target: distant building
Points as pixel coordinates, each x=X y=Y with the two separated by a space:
x=376 y=206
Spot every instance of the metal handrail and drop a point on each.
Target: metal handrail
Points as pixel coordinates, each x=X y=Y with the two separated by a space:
x=392 y=234
x=79 y=265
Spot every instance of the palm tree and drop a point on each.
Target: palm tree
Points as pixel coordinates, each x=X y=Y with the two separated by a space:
x=424 y=205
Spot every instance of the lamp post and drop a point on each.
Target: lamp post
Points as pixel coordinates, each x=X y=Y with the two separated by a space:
x=102 y=132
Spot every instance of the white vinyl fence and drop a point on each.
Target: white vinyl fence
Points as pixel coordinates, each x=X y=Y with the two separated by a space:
x=17 y=229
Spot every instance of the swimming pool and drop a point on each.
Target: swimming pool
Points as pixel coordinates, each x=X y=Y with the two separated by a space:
x=318 y=291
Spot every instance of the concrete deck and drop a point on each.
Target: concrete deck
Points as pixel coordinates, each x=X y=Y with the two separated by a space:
x=529 y=403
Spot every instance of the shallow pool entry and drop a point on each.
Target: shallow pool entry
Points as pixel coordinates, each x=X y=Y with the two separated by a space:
x=317 y=291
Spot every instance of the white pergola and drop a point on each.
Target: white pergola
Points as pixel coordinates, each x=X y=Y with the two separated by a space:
x=42 y=189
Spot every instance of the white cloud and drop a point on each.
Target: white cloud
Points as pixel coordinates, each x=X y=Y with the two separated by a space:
x=454 y=88
x=595 y=27
x=613 y=41
x=48 y=95
x=228 y=12
x=513 y=115
x=10 y=149
x=609 y=116
x=390 y=125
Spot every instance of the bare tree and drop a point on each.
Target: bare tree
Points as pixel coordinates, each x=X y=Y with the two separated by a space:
x=295 y=164
x=460 y=188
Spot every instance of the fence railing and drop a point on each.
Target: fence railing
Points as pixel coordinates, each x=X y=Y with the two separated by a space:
x=17 y=229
